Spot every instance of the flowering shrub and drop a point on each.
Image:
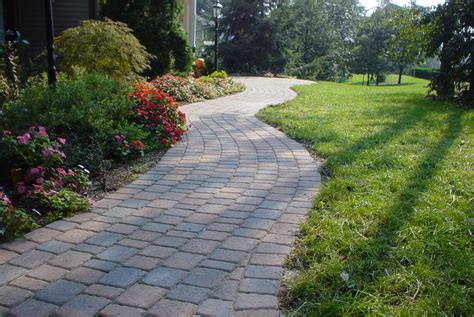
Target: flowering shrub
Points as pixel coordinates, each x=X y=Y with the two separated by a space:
x=45 y=180
x=191 y=90
x=13 y=221
x=158 y=112
x=128 y=148
x=34 y=147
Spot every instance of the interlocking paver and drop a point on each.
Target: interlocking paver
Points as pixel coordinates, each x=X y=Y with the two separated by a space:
x=164 y=277
x=10 y=296
x=140 y=295
x=59 y=292
x=207 y=228
x=82 y=306
x=122 y=277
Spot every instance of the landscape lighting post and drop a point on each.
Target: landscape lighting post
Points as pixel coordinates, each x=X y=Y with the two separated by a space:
x=217 y=8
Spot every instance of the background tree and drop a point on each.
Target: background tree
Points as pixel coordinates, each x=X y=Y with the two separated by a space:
x=318 y=37
x=451 y=37
x=248 y=43
x=408 y=37
x=157 y=25
x=371 y=54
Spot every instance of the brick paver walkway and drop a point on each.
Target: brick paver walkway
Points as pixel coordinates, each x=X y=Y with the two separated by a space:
x=205 y=232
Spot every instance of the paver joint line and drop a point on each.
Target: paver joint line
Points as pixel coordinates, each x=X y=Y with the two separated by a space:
x=204 y=232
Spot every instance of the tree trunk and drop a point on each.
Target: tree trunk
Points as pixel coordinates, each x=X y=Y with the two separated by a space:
x=400 y=70
x=363 y=79
x=376 y=79
x=445 y=83
x=368 y=77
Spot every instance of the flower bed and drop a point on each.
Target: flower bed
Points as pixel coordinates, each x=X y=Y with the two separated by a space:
x=50 y=135
x=193 y=90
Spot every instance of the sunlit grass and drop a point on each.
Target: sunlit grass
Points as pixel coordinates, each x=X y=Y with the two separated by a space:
x=391 y=230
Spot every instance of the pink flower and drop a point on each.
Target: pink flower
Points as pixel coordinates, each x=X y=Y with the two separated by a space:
x=118 y=139
x=61 y=171
x=35 y=170
x=62 y=140
x=6 y=132
x=37 y=187
x=74 y=186
x=21 y=188
x=21 y=139
x=46 y=152
x=41 y=131
x=39 y=180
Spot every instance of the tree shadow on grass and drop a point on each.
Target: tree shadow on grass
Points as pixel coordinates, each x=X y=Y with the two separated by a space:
x=378 y=251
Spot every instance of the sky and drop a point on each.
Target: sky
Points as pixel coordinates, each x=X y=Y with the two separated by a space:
x=369 y=4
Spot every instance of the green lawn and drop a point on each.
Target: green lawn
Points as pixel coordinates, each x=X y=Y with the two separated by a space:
x=391 y=230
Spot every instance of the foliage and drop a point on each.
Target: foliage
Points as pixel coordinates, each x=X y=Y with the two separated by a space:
x=45 y=180
x=390 y=232
x=9 y=79
x=222 y=74
x=248 y=43
x=451 y=37
x=85 y=109
x=425 y=73
x=188 y=89
x=158 y=112
x=408 y=37
x=317 y=37
x=13 y=221
x=102 y=46
x=157 y=24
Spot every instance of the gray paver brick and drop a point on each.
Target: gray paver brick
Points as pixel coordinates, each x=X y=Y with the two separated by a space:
x=84 y=275
x=263 y=272
x=228 y=255
x=200 y=246
x=10 y=272
x=10 y=296
x=239 y=243
x=214 y=307
x=101 y=265
x=103 y=291
x=260 y=286
x=164 y=277
x=29 y=283
x=171 y=308
x=19 y=245
x=82 y=306
x=31 y=259
x=70 y=259
x=204 y=277
x=117 y=253
x=255 y=301
x=168 y=241
x=142 y=262
x=42 y=235
x=140 y=295
x=47 y=273
x=115 y=310
x=122 y=277
x=183 y=260
x=187 y=293
x=32 y=307
x=55 y=247
x=104 y=238
x=59 y=292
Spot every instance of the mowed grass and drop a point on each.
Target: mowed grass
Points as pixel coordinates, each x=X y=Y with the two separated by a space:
x=391 y=229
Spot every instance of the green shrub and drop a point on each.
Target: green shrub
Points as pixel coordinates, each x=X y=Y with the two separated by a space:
x=85 y=110
x=219 y=74
x=425 y=72
x=102 y=46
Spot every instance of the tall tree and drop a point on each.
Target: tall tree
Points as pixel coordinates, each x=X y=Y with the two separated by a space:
x=249 y=44
x=452 y=39
x=318 y=36
x=408 y=36
x=157 y=24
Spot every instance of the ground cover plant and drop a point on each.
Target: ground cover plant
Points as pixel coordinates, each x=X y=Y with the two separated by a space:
x=390 y=232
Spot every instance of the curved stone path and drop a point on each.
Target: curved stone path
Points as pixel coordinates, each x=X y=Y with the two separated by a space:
x=203 y=233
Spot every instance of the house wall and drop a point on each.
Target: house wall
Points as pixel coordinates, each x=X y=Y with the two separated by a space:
x=30 y=18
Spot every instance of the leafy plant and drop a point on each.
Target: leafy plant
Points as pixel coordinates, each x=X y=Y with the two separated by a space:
x=102 y=46
x=13 y=221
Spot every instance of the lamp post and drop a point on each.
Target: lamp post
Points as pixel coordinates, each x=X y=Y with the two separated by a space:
x=50 y=42
x=217 y=8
